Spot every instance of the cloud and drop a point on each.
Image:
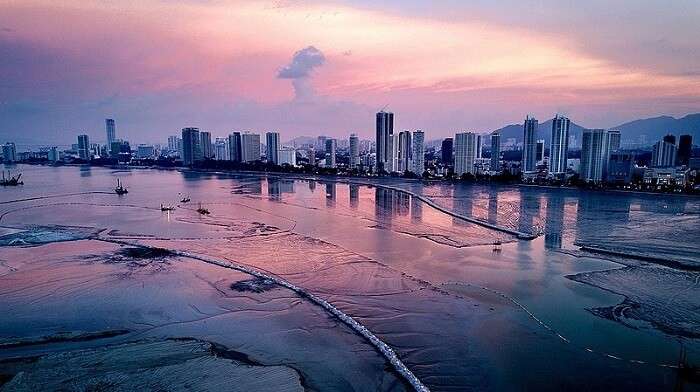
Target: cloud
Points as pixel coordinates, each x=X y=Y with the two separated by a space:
x=299 y=71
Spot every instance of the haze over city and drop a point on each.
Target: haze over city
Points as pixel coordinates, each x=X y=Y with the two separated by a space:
x=310 y=68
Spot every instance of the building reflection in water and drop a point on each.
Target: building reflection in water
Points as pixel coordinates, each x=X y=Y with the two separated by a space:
x=312 y=185
x=554 y=222
x=383 y=205
x=529 y=209
x=354 y=195
x=599 y=214
x=85 y=171
x=330 y=194
x=493 y=206
x=463 y=203
x=277 y=187
x=403 y=203
x=416 y=210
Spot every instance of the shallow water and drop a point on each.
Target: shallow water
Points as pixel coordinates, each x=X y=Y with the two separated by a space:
x=426 y=283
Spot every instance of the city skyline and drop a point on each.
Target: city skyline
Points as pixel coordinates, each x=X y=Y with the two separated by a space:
x=313 y=73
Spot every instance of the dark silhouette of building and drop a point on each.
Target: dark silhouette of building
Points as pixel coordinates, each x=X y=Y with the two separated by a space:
x=685 y=147
x=447 y=151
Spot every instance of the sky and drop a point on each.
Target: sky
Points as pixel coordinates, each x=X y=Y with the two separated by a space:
x=325 y=67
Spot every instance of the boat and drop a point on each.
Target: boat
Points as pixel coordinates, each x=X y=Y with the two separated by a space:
x=11 y=180
x=497 y=246
x=202 y=210
x=166 y=208
x=185 y=199
x=120 y=190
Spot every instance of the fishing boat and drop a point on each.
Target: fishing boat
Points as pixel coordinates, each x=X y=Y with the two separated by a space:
x=11 y=180
x=202 y=210
x=120 y=189
x=496 y=246
x=166 y=208
x=185 y=199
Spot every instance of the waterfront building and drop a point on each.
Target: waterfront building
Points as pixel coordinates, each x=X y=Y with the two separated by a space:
x=330 y=152
x=235 y=147
x=446 y=152
x=205 y=145
x=559 y=146
x=384 y=130
x=272 y=144
x=84 y=147
x=620 y=167
x=354 y=144
x=111 y=129
x=288 y=156
x=144 y=151
x=664 y=152
x=53 y=154
x=465 y=153
x=495 y=165
x=418 y=152
x=221 y=149
x=9 y=152
x=685 y=148
x=529 y=162
x=405 y=152
x=392 y=164
x=191 y=148
x=594 y=153
x=250 y=147
x=539 y=151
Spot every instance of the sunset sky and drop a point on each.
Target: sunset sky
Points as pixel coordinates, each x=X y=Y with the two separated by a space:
x=312 y=67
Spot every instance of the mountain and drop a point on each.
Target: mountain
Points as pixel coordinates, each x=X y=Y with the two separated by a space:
x=655 y=128
x=646 y=131
x=300 y=141
x=544 y=131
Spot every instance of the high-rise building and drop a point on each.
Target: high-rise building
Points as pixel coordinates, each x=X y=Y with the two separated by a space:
x=478 y=146
x=495 y=152
x=594 y=155
x=539 y=151
x=392 y=164
x=559 y=145
x=354 y=143
x=288 y=156
x=330 y=152
x=144 y=151
x=384 y=128
x=418 y=152
x=321 y=143
x=235 y=147
x=250 y=147
x=191 y=148
x=620 y=167
x=664 y=152
x=9 y=152
x=529 y=145
x=272 y=144
x=447 y=152
x=84 y=147
x=53 y=154
x=221 y=149
x=614 y=140
x=111 y=131
x=205 y=145
x=405 y=152
x=685 y=148
x=465 y=152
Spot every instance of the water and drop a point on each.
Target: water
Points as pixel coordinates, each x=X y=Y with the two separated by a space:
x=426 y=283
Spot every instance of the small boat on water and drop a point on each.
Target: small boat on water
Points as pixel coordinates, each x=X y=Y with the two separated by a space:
x=185 y=199
x=496 y=246
x=120 y=189
x=202 y=210
x=11 y=180
x=166 y=208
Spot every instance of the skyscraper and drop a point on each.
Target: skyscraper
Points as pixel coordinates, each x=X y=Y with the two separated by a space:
x=9 y=152
x=664 y=152
x=191 y=148
x=221 y=149
x=418 y=152
x=205 y=145
x=250 y=147
x=594 y=155
x=465 y=152
x=478 y=146
x=405 y=151
x=111 y=131
x=559 y=145
x=495 y=152
x=331 y=145
x=539 y=153
x=614 y=140
x=384 y=128
x=685 y=148
x=392 y=163
x=84 y=147
x=235 y=147
x=447 y=152
x=529 y=145
x=272 y=141
x=354 y=151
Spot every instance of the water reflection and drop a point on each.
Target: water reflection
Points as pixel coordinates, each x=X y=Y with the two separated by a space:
x=85 y=171
x=463 y=203
x=416 y=210
x=529 y=209
x=554 y=222
x=276 y=187
x=330 y=194
x=354 y=195
x=312 y=185
x=493 y=206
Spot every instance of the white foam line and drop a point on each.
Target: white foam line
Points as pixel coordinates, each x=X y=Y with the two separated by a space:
x=382 y=347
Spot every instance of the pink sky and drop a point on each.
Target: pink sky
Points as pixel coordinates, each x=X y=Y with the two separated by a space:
x=158 y=66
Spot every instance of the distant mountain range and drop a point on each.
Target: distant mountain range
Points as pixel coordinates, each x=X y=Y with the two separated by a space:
x=649 y=129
